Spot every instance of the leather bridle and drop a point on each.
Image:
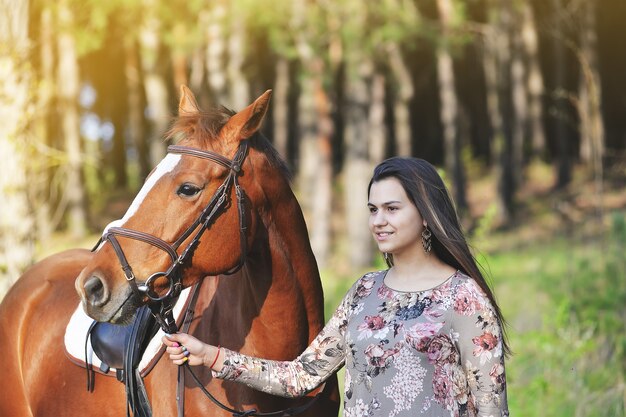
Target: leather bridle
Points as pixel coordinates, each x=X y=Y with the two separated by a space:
x=216 y=206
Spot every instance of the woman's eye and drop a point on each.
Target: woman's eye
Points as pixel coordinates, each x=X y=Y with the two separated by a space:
x=391 y=208
x=188 y=190
x=372 y=210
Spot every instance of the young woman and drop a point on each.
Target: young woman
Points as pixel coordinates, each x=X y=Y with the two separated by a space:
x=424 y=337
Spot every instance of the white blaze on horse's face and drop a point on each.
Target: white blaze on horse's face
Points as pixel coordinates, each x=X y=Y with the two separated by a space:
x=166 y=165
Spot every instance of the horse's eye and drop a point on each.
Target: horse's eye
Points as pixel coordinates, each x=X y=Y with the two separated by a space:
x=188 y=190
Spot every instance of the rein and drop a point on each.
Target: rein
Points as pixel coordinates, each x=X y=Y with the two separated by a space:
x=161 y=306
x=292 y=411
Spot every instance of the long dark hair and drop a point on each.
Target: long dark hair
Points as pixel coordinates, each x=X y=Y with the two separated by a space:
x=428 y=193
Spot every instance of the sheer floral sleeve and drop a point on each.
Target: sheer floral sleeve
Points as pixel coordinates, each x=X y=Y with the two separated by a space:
x=294 y=378
x=479 y=340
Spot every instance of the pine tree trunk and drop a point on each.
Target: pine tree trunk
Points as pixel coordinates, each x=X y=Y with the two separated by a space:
x=179 y=68
x=403 y=95
x=564 y=169
x=497 y=63
x=238 y=86
x=280 y=99
x=307 y=147
x=490 y=69
x=68 y=87
x=216 y=47
x=592 y=128
x=322 y=203
x=153 y=63
x=43 y=177
x=136 y=105
x=590 y=112
x=450 y=108
x=316 y=128
x=16 y=225
x=534 y=81
x=507 y=178
x=196 y=74
x=377 y=129
x=519 y=101
x=357 y=166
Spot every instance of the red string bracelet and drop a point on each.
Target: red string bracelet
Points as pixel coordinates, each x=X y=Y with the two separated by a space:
x=216 y=356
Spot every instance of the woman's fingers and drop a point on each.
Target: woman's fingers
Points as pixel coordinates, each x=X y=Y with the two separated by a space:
x=183 y=348
x=175 y=339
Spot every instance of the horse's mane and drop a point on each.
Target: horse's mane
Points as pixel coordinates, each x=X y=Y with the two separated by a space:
x=202 y=128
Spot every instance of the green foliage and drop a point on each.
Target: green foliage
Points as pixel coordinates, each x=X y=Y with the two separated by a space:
x=485 y=224
x=566 y=304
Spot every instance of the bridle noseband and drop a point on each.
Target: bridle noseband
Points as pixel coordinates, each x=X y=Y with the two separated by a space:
x=216 y=206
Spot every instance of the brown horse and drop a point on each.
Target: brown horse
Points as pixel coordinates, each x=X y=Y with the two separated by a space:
x=271 y=307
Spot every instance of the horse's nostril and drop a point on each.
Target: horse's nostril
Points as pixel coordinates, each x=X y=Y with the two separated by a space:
x=94 y=290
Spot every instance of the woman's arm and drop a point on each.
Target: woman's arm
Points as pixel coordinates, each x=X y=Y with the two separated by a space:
x=481 y=350
x=294 y=378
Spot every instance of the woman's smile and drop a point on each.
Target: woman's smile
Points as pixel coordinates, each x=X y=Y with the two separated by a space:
x=381 y=236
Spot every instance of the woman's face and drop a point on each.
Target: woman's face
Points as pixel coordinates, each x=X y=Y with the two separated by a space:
x=394 y=221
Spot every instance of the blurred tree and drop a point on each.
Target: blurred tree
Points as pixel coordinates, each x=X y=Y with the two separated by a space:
x=592 y=146
x=399 y=26
x=154 y=62
x=519 y=94
x=403 y=94
x=314 y=117
x=280 y=111
x=357 y=166
x=114 y=103
x=449 y=107
x=68 y=85
x=216 y=50
x=239 y=87
x=136 y=105
x=16 y=225
x=497 y=64
x=560 y=94
x=534 y=79
x=377 y=134
x=47 y=165
x=126 y=91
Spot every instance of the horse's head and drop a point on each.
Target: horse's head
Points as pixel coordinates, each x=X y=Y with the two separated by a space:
x=192 y=218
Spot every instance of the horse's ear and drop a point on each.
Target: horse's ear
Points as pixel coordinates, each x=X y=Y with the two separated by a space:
x=245 y=123
x=188 y=104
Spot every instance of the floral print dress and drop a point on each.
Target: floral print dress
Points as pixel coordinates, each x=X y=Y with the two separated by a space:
x=436 y=352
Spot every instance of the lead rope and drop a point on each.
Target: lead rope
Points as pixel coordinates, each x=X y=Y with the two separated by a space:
x=292 y=411
x=180 y=390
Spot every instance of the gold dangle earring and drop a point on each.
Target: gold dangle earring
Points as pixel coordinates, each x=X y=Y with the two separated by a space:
x=427 y=241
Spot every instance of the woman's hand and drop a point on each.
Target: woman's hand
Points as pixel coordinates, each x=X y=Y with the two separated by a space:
x=183 y=347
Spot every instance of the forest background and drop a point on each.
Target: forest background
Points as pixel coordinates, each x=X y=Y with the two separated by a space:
x=521 y=104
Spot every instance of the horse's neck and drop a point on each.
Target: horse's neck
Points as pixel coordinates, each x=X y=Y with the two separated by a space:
x=293 y=270
x=279 y=282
